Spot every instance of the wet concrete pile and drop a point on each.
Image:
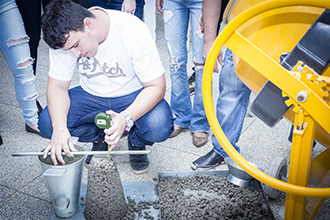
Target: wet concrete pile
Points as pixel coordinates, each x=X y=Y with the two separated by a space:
x=105 y=197
x=210 y=197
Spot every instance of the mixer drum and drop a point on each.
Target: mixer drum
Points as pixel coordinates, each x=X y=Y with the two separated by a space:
x=276 y=32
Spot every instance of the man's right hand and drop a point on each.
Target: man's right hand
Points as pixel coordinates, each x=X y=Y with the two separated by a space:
x=60 y=141
x=206 y=51
x=159 y=4
x=58 y=106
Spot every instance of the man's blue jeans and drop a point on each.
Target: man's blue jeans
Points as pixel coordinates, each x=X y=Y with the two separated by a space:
x=155 y=126
x=176 y=20
x=231 y=104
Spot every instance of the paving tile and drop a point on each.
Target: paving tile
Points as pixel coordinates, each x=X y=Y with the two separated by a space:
x=15 y=172
x=260 y=143
x=7 y=89
x=21 y=206
x=5 y=192
x=37 y=188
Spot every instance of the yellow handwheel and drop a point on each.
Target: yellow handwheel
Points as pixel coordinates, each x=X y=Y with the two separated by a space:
x=263 y=63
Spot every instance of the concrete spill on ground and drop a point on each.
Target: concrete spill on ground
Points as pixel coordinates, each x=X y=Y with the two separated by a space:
x=209 y=197
x=141 y=210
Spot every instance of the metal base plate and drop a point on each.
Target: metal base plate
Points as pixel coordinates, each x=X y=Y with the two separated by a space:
x=145 y=191
x=139 y=191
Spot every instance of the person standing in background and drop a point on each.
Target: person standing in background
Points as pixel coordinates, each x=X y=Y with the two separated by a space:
x=134 y=7
x=233 y=93
x=15 y=47
x=176 y=21
x=31 y=14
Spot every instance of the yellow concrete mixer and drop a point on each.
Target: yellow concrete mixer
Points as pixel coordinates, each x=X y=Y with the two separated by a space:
x=281 y=52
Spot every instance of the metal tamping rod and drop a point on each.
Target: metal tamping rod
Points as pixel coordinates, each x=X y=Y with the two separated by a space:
x=84 y=153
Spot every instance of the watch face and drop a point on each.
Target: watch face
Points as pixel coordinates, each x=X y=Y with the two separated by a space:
x=130 y=123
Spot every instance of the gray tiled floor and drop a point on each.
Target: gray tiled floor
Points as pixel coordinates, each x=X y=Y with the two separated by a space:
x=23 y=192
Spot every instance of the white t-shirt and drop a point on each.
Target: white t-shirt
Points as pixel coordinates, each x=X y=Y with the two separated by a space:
x=126 y=58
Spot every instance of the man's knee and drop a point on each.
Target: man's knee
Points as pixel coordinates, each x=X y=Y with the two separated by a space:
x=161 y=121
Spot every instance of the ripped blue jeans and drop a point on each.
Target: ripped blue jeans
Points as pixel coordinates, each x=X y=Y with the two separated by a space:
x=176 y=20
x=14 y=44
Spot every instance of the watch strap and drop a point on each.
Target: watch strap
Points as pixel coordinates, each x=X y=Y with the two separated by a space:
x=129 y=120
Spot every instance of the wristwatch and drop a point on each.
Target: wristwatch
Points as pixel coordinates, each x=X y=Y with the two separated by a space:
x=129 y=120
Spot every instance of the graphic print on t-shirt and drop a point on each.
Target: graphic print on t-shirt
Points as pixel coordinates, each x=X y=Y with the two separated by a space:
x=91 y=68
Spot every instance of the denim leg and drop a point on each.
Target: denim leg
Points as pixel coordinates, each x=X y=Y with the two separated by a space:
x=117 y=4
x=15 y=46
x=45 y=124
x=231 y=104
x=101 y=3
x=80 y=121
x=31 y=14
x=198 y=119
x=139 y=12
x=176 y=18
x=155 y=126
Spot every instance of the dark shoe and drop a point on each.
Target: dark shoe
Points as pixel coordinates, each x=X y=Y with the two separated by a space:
x=97 y=146
x=208 y=161
x=199 y=141
x=177 y=130
x=31 y=130
x=0 y=140
x=138 y=163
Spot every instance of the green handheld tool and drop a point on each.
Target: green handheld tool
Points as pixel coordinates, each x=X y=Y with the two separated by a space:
x=103 y=120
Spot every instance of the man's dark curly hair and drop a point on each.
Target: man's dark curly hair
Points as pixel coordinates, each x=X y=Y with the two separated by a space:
x=59 y=18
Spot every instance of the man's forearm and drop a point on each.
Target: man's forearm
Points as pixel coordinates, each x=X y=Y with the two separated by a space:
x=148 y=98
x=58 y=105
x=211 y=10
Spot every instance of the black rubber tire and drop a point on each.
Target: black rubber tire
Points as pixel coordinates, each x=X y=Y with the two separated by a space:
x=278 y=169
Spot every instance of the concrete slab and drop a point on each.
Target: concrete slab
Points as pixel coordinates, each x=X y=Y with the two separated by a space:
x=7 y=89
x=37 y=188
x=22 y=206
x=260 y=144
x=19 y=171
x=5 y=192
